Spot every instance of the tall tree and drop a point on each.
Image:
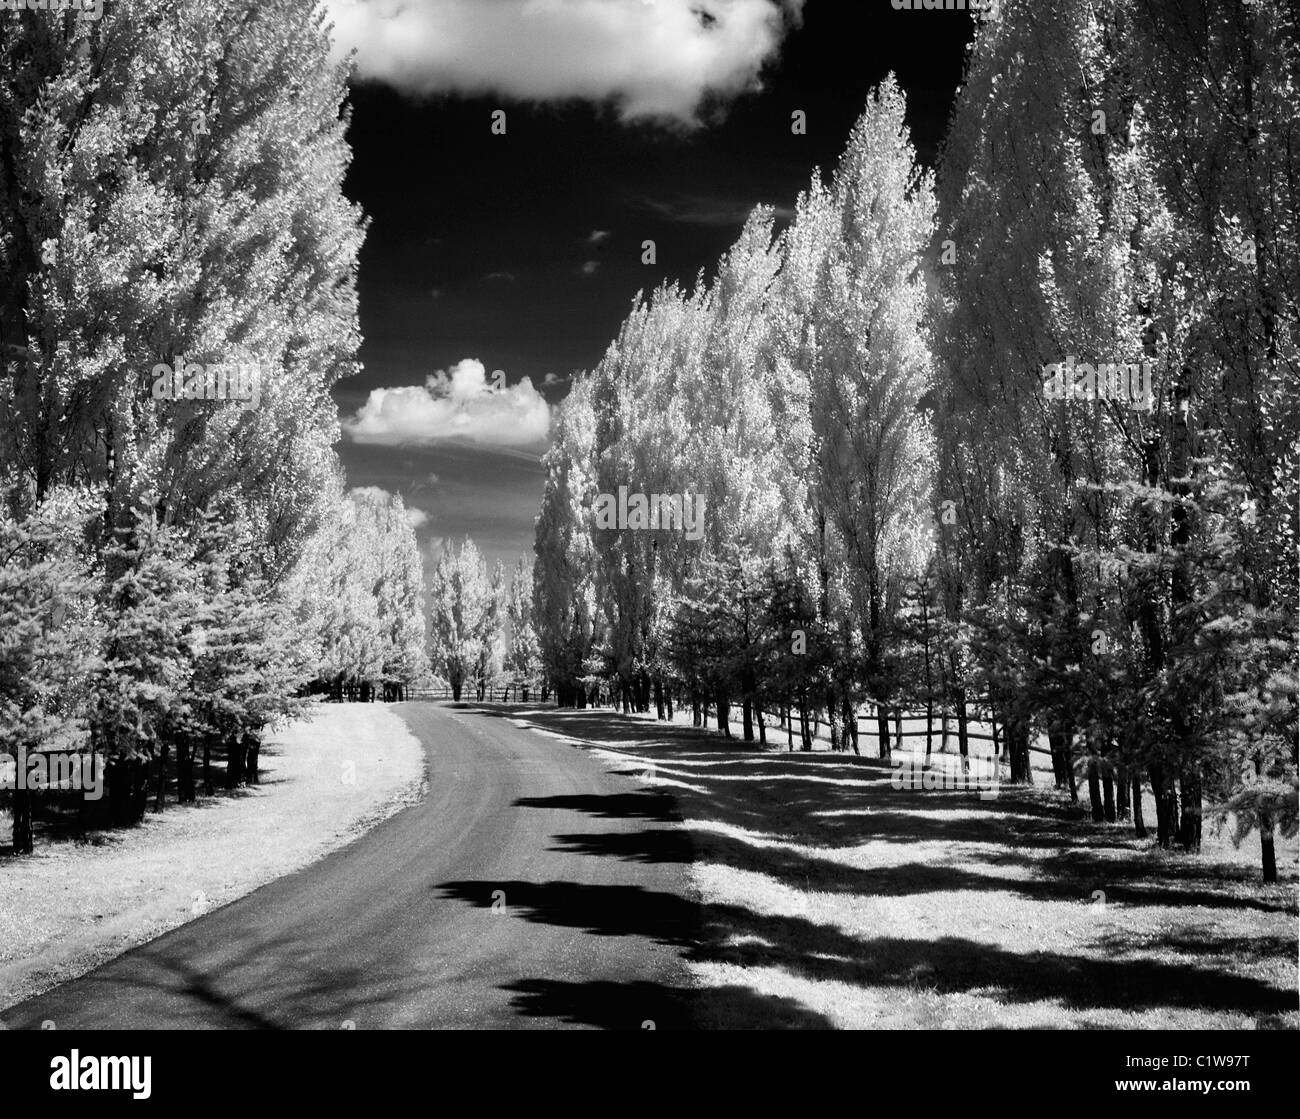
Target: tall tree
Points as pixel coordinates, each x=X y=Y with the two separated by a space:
x=464 y=629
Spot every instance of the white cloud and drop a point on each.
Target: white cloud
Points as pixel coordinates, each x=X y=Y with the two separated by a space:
x=376 y=494
x=697 y=209
x=589 y=267
x=653 y=58
x=455 y=404
x=596 y=236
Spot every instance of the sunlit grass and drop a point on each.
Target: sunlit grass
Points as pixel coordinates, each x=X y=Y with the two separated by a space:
x=877 y=907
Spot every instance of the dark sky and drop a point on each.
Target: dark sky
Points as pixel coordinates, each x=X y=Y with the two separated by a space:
x=478 y=242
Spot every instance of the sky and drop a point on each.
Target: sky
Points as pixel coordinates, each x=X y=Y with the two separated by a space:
x=513 y=156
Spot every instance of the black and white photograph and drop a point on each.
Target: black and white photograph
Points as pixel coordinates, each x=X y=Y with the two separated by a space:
x=650 y=515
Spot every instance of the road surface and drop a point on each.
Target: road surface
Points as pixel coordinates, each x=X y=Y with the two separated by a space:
x=530 y=888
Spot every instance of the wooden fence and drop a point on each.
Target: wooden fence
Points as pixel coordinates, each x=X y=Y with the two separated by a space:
x=497 y=694
x=900 y=730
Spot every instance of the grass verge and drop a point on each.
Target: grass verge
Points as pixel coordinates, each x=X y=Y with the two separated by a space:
x=856 y=904
x=324 y=780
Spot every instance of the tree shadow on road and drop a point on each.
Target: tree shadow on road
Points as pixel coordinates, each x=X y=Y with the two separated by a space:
x=642 y=805
x=616 y=1006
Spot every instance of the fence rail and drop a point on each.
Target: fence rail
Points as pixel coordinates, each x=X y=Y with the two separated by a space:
x=498 y=694
x=900 y=731
x=978 y=718
x=975 y=719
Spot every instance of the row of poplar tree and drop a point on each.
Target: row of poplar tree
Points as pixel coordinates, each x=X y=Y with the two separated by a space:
x=481 y=631
x=897 y=513
x=173 y=572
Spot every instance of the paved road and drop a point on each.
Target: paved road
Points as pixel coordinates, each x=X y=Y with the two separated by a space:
x=399 y=928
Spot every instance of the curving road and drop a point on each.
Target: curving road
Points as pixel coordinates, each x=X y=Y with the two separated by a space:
x=531 y=887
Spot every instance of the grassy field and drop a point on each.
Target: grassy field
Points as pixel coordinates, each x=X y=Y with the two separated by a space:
x=852 y=903
x=71 y=906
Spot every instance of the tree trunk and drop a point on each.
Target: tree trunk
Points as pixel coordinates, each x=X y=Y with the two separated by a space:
x=235 y=752
x=22 y=810
x=882 y=730
x=83 y=805
x=1189 y=827
x=1094 y=787
x=207 y=765
x=251 y=772
x=1268 y=857
x=1107 y=790
x=1122 y=790
x=747 y=719
x=115 y=787
x=1017 y=734
x=1139 y=824
x=963 y=739
x=139 y=773
x=1166 y=805
x=185 y=771
x=850 y=718
x=160 y=795
x=1059 y=742
x=1070 y=780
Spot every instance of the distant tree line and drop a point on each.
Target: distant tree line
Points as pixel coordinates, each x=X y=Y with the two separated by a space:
x=481 y=630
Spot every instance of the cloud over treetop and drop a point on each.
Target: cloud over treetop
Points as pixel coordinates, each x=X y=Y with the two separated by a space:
x=652 y=58
x=453 y=404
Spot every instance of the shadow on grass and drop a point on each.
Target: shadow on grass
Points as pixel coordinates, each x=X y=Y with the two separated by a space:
x=1026 y=842
x=809 y=950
